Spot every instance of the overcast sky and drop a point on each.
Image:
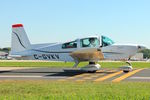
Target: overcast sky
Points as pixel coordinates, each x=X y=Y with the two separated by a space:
x=45 y=21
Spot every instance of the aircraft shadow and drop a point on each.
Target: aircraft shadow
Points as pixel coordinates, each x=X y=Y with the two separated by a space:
x=4 y=71
x=55 y=73
x=75 y=73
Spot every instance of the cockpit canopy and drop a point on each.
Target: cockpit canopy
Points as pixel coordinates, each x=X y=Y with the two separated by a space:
x=88 y=42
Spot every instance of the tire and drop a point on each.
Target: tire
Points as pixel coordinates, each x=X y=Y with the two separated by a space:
x=126 y=71
x=92 y=71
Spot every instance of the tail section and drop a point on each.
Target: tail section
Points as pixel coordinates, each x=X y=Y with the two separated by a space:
x=19 y=41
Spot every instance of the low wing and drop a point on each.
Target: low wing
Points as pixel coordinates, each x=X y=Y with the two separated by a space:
x=90 y=54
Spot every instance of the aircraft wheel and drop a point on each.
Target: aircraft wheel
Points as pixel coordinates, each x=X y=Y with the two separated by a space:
x=126 y=71
x=92 y=71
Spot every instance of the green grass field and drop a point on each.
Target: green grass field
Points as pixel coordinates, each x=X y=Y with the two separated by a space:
x=70 y=64
x=50 y=90
x=55 y=90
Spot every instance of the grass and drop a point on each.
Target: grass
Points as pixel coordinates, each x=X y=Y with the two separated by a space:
x=52 y=90
x=70 y=64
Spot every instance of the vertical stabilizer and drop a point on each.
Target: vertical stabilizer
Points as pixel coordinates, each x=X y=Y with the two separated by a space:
x=19 y=39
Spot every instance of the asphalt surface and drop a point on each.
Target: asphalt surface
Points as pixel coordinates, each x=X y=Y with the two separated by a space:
x=60 y=74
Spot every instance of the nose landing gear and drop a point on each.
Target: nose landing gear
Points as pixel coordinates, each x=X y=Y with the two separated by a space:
x=126 y=68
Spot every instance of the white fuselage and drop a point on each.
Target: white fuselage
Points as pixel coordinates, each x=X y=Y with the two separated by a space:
x=55 y=52
x=21 y=48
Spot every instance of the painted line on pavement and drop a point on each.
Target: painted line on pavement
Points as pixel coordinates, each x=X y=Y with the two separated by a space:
x=95 y=75
x=107 y=76
x=98 y=74
x=88 y=76
x=92 y=76
x=126 y=75
x=79 y=76
x=73 y=77
x=144 y=78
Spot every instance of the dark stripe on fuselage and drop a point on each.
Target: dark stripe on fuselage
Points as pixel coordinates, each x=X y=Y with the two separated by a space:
x=19 y=40
x=113 y=52
x=52 y=51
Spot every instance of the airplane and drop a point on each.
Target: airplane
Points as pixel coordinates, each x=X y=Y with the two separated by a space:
x=90 y=48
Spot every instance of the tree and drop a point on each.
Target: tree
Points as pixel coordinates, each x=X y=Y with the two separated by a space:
x=7 y=49
x=146 y=53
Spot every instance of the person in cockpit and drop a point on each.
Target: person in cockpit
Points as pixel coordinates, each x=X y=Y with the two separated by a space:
x=91 y=42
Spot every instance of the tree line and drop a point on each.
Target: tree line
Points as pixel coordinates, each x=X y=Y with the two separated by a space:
x=7 y=49
x=146 y=53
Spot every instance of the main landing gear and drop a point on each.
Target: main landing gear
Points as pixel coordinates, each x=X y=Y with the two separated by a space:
x=91 y=67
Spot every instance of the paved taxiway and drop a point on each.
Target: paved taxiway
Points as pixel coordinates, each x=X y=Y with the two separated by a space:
x=112 y=75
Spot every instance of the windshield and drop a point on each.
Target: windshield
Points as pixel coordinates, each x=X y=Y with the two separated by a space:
x=106 y=41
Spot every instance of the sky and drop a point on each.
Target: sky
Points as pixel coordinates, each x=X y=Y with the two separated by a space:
x=46 y=21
